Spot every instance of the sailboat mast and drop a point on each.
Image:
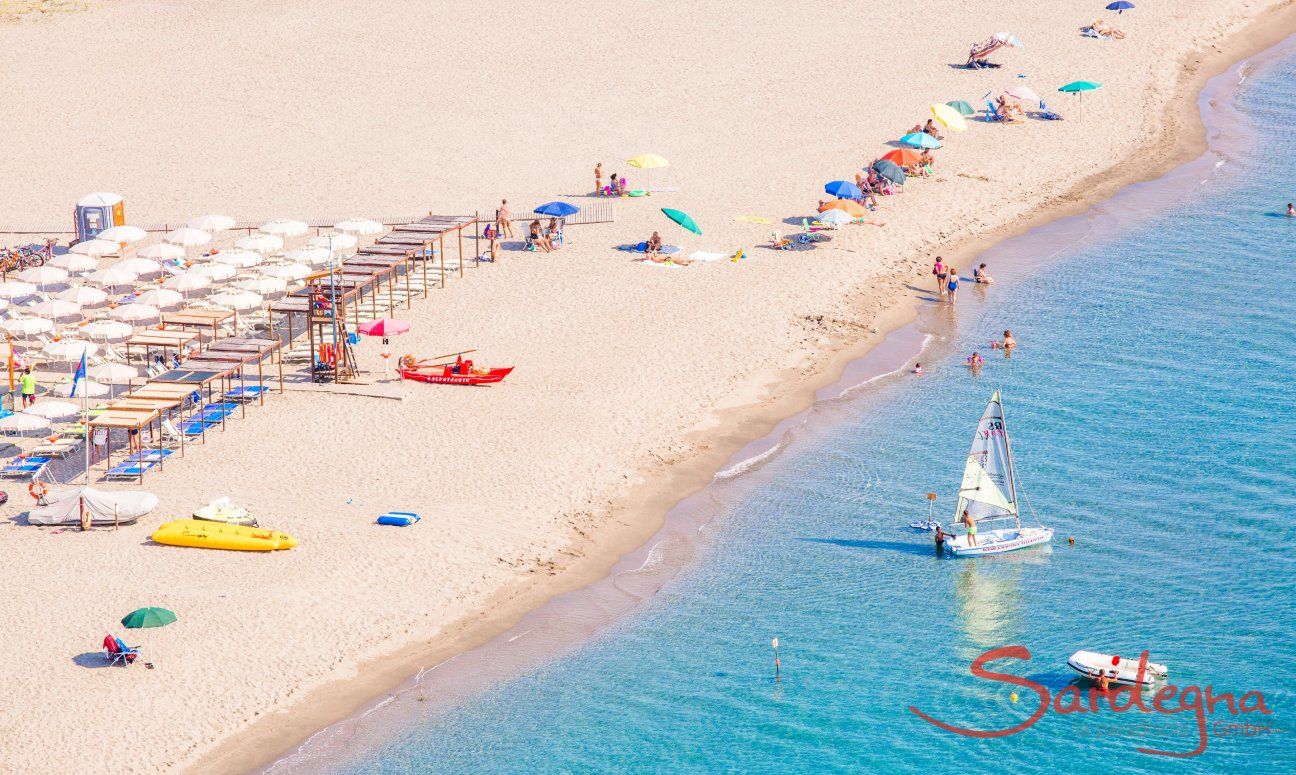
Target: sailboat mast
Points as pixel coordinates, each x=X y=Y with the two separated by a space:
x=1012 y=474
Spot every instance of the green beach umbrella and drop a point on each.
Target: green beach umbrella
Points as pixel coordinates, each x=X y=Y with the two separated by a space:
x=683 y=219
x=1080 y=87
x=148 y=617
x=962 y=107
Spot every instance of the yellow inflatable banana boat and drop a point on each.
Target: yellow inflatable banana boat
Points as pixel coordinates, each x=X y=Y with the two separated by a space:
x=217 y=535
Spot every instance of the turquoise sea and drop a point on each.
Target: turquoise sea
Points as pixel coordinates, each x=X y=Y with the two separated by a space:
x=1152 y=403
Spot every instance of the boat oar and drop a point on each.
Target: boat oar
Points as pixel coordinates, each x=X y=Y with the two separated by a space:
x=428 y=361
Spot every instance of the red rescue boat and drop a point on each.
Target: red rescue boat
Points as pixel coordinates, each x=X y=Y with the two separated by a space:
x=460 y=372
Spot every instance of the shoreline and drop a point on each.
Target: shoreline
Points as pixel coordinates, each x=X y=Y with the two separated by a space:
x=639 y=516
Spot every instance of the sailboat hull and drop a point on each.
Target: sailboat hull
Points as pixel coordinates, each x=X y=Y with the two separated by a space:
x=999 y=541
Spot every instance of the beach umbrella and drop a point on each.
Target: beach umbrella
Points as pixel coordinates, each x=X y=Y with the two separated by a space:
x=106 y=330
x=53 y=410
x=75 y=262
x=949 y=117
x=556 y=209
x=1120 y=6
x=683 y=219
x=148 y=617
x=113 y=275
x=835 y=217
x=362 y=226
x=337 y=241
x=188 y=237
x=261 y=243
x=853 y=209
x=161 y=251
x=650 y=162
x=95 y=248
x=43 y=275
x=211 y=223
x=263 y=285
x=113 y=372
x=69 y=350
x=187 y=282
x=843 y=189
x=214 y=272
x=82 y=295
x=1008 y=39
x=902 y=156
x=14 y=289
x=384 y=328
x=121 y=234
x=55 y=309
x=161 y=298
x=241 y=259
x=920 y=140
x=890 y=170
x=1080 y=87
x=135 y=313
x=287 y=272
x=962 y=107
x=236 y=299
x=25 y=327
x=140 y=266
x=283 y=227
x=312 y=256
x=1023 y=93
x=86 y=387
x=23 y=423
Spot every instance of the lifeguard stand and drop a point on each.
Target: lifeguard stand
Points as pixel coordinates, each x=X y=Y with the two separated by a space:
x=96 y=212
x=326 y=328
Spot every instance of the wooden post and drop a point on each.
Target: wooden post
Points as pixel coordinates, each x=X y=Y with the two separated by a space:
x=461 y=228
x=477 y=236
x=442 y=254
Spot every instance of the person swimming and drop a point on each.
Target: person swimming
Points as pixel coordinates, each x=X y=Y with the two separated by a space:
x=1291 y=211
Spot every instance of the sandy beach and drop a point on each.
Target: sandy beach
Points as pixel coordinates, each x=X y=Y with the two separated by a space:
x=634 y=383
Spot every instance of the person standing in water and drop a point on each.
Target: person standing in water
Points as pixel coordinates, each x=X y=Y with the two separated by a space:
x=1291 y=211
x=951 y=286
x=942 y=273
x=940 y=541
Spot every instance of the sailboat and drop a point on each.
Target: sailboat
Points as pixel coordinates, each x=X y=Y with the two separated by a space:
x=989 y=493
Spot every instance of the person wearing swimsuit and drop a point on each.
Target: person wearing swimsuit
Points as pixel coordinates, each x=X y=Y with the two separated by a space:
x=941 y=273
x=971 y=527
x=951 y=286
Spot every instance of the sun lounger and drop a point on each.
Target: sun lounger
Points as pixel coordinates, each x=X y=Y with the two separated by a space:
x=246 y=393
x=26 y=467
x=117 y=652
x=130 y=470
x=149 y=456
x=172 y=433
x=56 y=448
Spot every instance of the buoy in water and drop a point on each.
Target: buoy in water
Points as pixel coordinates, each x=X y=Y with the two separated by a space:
x=1013 y=696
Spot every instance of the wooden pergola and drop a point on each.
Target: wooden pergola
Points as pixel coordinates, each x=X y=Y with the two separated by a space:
x=425 y=240
x=127 y=419
x=200 y=319
x=159 y=338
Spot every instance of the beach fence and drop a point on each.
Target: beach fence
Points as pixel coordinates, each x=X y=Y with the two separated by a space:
x=601 y=210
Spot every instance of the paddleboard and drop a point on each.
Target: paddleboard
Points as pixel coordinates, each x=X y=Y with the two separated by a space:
x=217 y=535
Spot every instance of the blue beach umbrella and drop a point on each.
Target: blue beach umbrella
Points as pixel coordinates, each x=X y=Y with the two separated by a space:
x=557 y=209
x=920 y=140
x=1119 y=5
x=843 y=189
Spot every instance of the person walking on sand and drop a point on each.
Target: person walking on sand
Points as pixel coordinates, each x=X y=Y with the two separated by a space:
x=28 y=384
x=942 y=274
x=598 y=179
x=502 y=223
x=951 y=286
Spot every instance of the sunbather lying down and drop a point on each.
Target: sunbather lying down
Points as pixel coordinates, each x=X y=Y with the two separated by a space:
x=1103 y=30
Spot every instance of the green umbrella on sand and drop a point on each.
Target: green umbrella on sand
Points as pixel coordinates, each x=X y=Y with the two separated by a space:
x=1080 y=87
x=962 y=107
x=148 y=617
x=683 y=219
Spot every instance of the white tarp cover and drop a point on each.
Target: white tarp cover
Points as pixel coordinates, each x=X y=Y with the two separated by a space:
x=64 y=508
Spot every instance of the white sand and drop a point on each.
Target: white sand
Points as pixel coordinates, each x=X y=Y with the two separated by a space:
x=333 y=108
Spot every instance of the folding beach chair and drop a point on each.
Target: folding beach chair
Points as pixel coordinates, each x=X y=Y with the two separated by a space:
x=117 y=652
x=993 y=114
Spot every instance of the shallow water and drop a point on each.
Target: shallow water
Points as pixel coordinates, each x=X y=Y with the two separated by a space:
x=1153 y=417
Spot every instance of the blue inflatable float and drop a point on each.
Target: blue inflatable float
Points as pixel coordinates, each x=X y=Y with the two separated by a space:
x=398 y=518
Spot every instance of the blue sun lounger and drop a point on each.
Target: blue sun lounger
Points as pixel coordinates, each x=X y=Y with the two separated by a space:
x=246 y=393
x=149 y=456
x=26 y=467
x=130 y=469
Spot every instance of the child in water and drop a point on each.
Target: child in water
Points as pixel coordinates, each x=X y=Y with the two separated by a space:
x=917 y=370
x=974 y=361
x=1291 y=211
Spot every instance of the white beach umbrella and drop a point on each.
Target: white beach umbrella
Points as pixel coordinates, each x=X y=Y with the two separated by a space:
x=87 y=388
x=113 y=275
x=119 y=234
x=263 y=285
x=107 y=330
x=140 y=266
x=13 y=289
x=187 y=283
x=162 y=298
x=53 y=410
x=43 y=275
x=283 y=227
x=23 y=423
x=187 y=237
x=55 y=309
x=69 y=350
x=212 y=223
x=214 y=272
x=288 y=272
x=339 y=241
x=25 y=327
x=113 y=372
x=238 y=258
x=75 y=262
x=312 y=256
x=1023 y=93
x=95 y=247
x=161 y=251
x=135 y=313
x=359 y=226
x=262 y=243
x=835 y=217
x=82 y=295
x=236 y=300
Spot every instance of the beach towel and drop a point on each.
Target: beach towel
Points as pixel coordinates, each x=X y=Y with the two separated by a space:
x=753 y=219
x=663 y=266
x=642 y=247
x=699 y=255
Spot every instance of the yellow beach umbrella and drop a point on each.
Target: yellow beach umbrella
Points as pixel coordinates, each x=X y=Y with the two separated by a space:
x=648 y=161
x=949 y=117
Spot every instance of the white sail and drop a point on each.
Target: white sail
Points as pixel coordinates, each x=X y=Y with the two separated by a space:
x=988 y=490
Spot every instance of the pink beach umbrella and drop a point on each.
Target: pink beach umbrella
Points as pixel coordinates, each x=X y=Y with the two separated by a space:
x=384 y=328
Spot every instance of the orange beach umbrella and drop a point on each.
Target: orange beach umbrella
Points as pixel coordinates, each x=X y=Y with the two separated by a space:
x=854 y=209
x=903 y=157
